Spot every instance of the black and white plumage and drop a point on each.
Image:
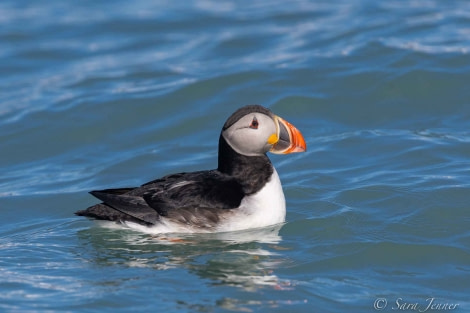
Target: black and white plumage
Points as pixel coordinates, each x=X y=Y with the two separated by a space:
x=243 y=192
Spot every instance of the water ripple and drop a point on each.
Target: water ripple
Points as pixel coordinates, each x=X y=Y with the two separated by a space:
x=97 y=94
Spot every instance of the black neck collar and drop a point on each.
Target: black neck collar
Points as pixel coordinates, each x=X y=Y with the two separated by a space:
x=252 y=172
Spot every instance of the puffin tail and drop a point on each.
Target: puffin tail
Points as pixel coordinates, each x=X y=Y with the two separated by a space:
x=119 y=207
x=103 y=212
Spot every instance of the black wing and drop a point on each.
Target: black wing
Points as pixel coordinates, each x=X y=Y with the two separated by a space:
x=195 y=198
x=134 y=206
x=208 y=189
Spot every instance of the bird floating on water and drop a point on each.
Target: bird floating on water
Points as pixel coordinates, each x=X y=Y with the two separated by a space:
x=243 y=192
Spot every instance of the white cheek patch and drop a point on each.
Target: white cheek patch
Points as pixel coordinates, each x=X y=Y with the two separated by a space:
x=249 y=141
x=240 y=142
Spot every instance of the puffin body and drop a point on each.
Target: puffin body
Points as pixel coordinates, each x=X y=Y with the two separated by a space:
x=243 y=192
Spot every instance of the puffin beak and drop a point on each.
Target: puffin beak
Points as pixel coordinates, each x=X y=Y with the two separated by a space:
x=288 y=138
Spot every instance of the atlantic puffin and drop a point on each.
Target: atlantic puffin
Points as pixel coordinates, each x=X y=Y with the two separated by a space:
x=243 y=192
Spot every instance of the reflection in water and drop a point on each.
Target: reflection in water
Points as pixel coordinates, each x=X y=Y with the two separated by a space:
x=245 y=259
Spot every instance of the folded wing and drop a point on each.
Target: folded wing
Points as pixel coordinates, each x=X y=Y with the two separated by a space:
x=187 y=198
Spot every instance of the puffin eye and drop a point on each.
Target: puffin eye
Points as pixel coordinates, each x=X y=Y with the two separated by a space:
x=254 y=123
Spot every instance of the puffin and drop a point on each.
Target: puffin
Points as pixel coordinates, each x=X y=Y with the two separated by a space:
x=243 y=192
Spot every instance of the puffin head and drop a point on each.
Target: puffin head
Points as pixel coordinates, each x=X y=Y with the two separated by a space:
x=254 y=130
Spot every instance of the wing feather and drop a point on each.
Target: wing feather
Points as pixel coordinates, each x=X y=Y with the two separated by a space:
x=197 y=198
x=134 y=206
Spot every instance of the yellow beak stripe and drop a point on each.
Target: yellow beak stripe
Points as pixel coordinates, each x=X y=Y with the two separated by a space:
x=273 y=139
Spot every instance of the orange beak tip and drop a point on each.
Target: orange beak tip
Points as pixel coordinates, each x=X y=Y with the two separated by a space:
x=296 y=139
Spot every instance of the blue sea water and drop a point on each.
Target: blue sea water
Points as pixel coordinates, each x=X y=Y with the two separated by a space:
x=99 y=94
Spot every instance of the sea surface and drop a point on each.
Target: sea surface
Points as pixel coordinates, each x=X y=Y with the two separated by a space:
x=99 y=94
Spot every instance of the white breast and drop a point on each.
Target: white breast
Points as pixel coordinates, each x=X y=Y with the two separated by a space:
x=264 y=208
